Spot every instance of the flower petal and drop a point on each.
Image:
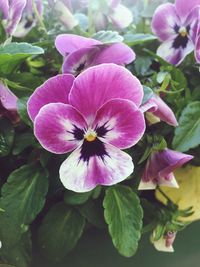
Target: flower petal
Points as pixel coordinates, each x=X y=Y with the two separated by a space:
x=82 y=176
x=4 y=9
x=193 y=20
x=16 y=8
x=59 y=128
x=197 y=50
x=54 y=90
x=117 y=53
x=96 y=85
x=7 y=99
x=173 y=55
x=68 y=43
x=184 y=7
x=164 y=20
x=121 y=17
x=120 y=123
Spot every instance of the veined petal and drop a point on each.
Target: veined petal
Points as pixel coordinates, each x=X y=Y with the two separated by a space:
x=96 y=85
x=59 y=128
x=68 y=43
x=120 y=123
x=184 y=7
x=193 y=21
x=4 y=9
x=7 y=99
x=16 y=8
x=164 y=21
x=197 y=50
x=117 y=53
x=121 y=16
x=174 y=55
x=54 y=90
x=82 y=176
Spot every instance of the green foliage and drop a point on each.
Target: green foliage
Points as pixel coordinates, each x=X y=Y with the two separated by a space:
x=22 y=110
x=6 y=137
x=138 y=38
x=60 y=230
x=187 y=133
x=108 y=37
x=123 y=214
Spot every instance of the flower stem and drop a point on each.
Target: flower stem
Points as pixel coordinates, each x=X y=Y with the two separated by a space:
x=164 y=195
x=39 y=18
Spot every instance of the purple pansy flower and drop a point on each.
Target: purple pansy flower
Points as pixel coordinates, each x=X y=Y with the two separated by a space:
x=159 y=168
x=96 y=115
x=81 y=52
x=11 y=13
x=176 y=25
x=28 y=19
x=165 y=242
x=158 y=110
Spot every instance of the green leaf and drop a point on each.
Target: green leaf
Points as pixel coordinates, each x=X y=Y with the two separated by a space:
x=148 y=93
x=138 y=38
x=23 y=195
x=123 y=214
x=60 y=230
x=6 y=137
x=187 y=134
x=22 y=110
x=6 y=265
x=108 y=37
x=2 y=33
x=11 y=55
x=73 y=198
x=142 y=65
x=23 y=141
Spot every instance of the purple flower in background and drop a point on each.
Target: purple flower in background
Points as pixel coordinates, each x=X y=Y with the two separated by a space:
x=159 y=168
x=8 y=104
x=158 y=110
x=11 y=13
x=80 y=53
x=165 y=242
x=176 y=25
x=28 y=19
x=96 y=115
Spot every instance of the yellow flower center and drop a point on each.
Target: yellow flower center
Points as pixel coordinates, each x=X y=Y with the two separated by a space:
x=183 y=32
x=90 y=135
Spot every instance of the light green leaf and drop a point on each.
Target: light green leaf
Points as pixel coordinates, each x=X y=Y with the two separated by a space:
x=6 y=137
x=138 y=38
x=22 y=110
x=187 y=134
x=123 y=214
x=148 y=93
x=108 y=37
x=60 y=230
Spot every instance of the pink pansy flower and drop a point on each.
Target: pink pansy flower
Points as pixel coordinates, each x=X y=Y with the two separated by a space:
x=81 y=52
x=159 y=168
x=165 y=242
x=156 y=109
x=11 y=13
x=176 y=25
x=96 y=115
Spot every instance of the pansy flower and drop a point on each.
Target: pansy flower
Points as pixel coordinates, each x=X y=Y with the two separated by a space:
x=157 y=110
x=165 y=243
x=80 y=53
x=159 y=168
x=176 y=25
x=96 y=115
x=28 y=19
x=11 y=12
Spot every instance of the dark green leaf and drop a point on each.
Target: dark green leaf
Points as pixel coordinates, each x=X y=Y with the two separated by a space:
x=23 y=141
x=23 y=195
x=60 y=230
x=22 y=110
x=142 y=65
x=187 y=134
x=138 y=38
x=6 y=137
x=73 y=198
x=2 y=33
x=123 y=214
x=108 y=37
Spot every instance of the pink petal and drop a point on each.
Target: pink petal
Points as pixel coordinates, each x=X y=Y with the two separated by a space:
x=95 y=86
x=197 y=50
x=56 y=126
x=184 y=7
x=54 y=90
x=122 y=121
x=68 y=43
x=82 y=176
x=7 y=99
x=164 y=20
x=4 y=8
